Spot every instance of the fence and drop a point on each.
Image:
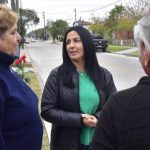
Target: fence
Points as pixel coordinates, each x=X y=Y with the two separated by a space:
x=129 y=42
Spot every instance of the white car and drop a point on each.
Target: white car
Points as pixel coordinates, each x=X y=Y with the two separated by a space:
x=33 y=40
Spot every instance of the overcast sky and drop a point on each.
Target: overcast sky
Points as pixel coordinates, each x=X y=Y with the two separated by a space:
x=64 y=9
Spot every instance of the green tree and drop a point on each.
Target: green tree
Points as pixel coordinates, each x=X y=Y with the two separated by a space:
x=116 y=13
x=111 y=22
x=57 y=29
x=97 y=28
x=125 y=24
x=38 y=33
x=26 y=16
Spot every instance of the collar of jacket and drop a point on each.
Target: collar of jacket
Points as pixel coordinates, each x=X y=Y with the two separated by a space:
x=7 y=59
x=145 y=80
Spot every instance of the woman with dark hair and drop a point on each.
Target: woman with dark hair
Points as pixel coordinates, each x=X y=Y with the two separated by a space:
x=75 y=93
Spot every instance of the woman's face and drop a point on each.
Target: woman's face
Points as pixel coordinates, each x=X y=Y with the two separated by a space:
x=9 y=40
x=74 y=46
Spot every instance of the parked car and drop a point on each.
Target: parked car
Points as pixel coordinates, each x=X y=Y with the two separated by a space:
x=33 y=40
x=100 y=43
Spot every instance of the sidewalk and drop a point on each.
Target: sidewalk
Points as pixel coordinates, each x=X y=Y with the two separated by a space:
x=127 y=52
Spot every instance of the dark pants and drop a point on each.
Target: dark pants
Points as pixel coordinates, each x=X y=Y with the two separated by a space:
x=84 y=147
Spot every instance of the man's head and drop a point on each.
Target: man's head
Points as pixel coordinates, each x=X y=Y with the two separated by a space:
x=142 y=39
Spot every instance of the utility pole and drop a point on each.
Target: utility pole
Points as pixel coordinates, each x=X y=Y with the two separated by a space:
x=44 y=34
x=15 y=5
x=75 y=14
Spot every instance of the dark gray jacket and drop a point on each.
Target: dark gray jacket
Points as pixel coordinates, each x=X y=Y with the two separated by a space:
x=124 y=123
x=60 y=106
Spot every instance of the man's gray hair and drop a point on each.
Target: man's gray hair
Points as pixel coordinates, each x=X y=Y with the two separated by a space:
x=142 y=32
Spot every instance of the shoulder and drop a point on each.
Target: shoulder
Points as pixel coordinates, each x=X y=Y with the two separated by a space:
x=54 y=75
x=54 y=71
x=121 y=100
x=106 y=75
x=105 y=71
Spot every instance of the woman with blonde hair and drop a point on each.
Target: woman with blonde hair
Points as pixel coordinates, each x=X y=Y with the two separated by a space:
x=20 y=124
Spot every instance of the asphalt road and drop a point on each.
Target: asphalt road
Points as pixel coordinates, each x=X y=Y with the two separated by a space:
x=126 y=70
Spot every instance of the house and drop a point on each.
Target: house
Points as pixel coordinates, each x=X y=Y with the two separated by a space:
x=3 y=1
x=82 y=23
x=123 y=37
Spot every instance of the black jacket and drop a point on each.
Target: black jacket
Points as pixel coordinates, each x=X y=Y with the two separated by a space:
x=60 y=106
x=124 y=123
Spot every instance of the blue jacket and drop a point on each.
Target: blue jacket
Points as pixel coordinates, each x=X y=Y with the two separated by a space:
x=20 y=124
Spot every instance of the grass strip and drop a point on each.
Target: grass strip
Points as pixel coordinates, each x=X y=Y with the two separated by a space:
x=35 y=85
x=115 y=48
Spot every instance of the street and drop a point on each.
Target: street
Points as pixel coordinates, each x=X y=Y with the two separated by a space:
x=126 y=70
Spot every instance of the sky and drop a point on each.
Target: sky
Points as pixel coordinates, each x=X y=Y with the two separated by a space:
x=65 y=9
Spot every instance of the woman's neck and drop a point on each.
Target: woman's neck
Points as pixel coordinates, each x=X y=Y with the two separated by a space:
x=80 y=66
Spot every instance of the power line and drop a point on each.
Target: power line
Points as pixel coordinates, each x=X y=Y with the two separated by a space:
x=58 y=12
x=105 y=6
x=95 y=9
x=83 y=11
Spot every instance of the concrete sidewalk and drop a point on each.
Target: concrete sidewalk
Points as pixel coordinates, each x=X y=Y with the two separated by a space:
x=127 y=52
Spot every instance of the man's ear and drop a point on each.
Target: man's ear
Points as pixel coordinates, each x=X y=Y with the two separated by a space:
x=147 y=59
x=142 y=44
x=145 y=54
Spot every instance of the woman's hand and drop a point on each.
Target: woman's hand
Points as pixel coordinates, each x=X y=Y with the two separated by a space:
x=89 y=120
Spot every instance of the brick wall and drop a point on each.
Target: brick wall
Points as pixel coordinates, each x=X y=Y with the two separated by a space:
x=124 y=35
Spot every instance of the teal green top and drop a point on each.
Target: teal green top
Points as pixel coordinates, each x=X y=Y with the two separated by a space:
x=89 y=101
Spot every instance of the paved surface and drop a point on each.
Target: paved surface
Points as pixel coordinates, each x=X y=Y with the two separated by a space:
x=127 y=52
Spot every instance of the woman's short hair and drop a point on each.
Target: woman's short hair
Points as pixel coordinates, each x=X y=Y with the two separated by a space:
x=7 y=18
x=142 y=32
